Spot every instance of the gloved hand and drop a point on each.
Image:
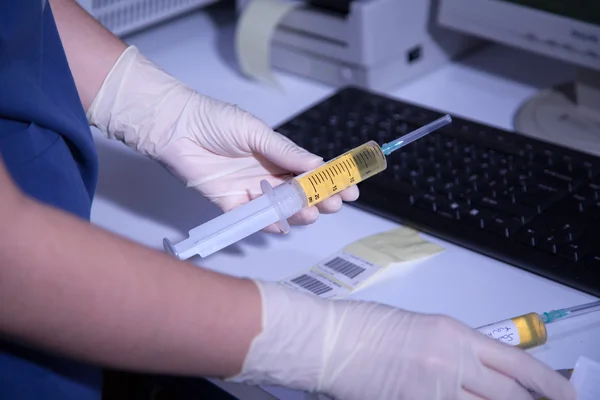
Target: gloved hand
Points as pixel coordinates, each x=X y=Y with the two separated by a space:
x=356 y=351
x=214 y=147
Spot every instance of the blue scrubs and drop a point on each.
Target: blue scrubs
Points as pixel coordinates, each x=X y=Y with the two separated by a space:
x=47 y=147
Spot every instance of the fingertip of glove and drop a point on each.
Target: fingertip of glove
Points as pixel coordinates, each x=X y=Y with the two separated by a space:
x=350 y=194
x=272 y=229
x=305 y=217
x=331 y=205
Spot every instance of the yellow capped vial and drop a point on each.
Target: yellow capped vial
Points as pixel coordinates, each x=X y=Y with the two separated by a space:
x=525 y=331
x=342 y=172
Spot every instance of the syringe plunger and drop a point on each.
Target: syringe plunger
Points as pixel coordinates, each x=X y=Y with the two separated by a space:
x=274 y=206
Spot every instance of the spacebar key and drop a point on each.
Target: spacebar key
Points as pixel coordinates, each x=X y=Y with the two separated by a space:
x=522 y=213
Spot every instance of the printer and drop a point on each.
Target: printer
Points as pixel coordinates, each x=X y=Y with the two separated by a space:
x=374 y=44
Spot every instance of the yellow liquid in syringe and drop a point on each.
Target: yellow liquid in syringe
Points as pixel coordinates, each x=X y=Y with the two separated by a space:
x=342 y=172
x=525 y=331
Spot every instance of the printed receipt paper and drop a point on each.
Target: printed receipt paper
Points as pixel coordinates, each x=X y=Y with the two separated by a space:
x=254 y=33
x=361 y=262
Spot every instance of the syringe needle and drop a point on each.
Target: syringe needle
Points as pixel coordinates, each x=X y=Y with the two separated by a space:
x=402 y=141
x=555 y=315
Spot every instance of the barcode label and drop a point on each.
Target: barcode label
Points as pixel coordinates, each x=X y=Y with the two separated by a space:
x=344 y=267
x=347 y=269
x=316 y=284
x=311 y=284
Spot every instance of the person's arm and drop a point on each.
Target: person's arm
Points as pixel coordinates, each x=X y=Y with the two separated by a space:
x=75 y=289
x=91 y=49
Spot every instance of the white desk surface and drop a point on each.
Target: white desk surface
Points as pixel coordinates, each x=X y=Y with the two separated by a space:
x=139 y=200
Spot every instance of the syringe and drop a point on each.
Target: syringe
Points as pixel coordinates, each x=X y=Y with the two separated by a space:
x=278 y=203
x=529 y=330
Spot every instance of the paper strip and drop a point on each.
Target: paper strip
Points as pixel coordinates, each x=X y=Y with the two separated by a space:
x=397 y=245
x=254 y=33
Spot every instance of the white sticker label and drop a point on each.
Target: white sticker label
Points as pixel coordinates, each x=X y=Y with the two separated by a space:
x=504 y=331
x=347 y=269
x=316 y=284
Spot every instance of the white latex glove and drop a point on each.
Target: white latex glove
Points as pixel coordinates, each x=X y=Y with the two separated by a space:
x=359 y=351
x=217 y=148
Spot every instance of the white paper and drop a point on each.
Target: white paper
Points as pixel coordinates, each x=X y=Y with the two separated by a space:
x=586 y=379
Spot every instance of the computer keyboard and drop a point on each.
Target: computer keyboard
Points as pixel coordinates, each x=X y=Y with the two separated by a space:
x=528 y=203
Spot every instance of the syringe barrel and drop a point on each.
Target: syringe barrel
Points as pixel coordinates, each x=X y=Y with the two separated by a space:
x=340 y=173
x=525 y=331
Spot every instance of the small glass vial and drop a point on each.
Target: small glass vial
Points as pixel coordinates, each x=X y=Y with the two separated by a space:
x=525 y=331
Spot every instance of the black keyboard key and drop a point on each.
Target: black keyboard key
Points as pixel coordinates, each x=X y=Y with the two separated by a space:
x=561 y=180
x=558 y=173
x=539 y=199
x=584 y=206
x=447 y=187
x=451 y=209
x=426 y=202
x=468 y=196
x=503 y=206
x=502 y=225
x=547 y=243
x=574 y=204
x=591 y=168
x=575 y=251
x=588 y=193
x=592 y=261
x=445 y=212
x=528 y=236
x=570 y=232
x=565 y=167
x=477 y=217
x=549 y=184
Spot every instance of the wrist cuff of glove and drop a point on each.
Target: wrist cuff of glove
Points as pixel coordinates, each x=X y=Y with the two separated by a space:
x=289 y=350
x=138 y=103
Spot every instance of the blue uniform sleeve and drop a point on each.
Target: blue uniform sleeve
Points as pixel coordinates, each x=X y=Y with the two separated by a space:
x=47 y=147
